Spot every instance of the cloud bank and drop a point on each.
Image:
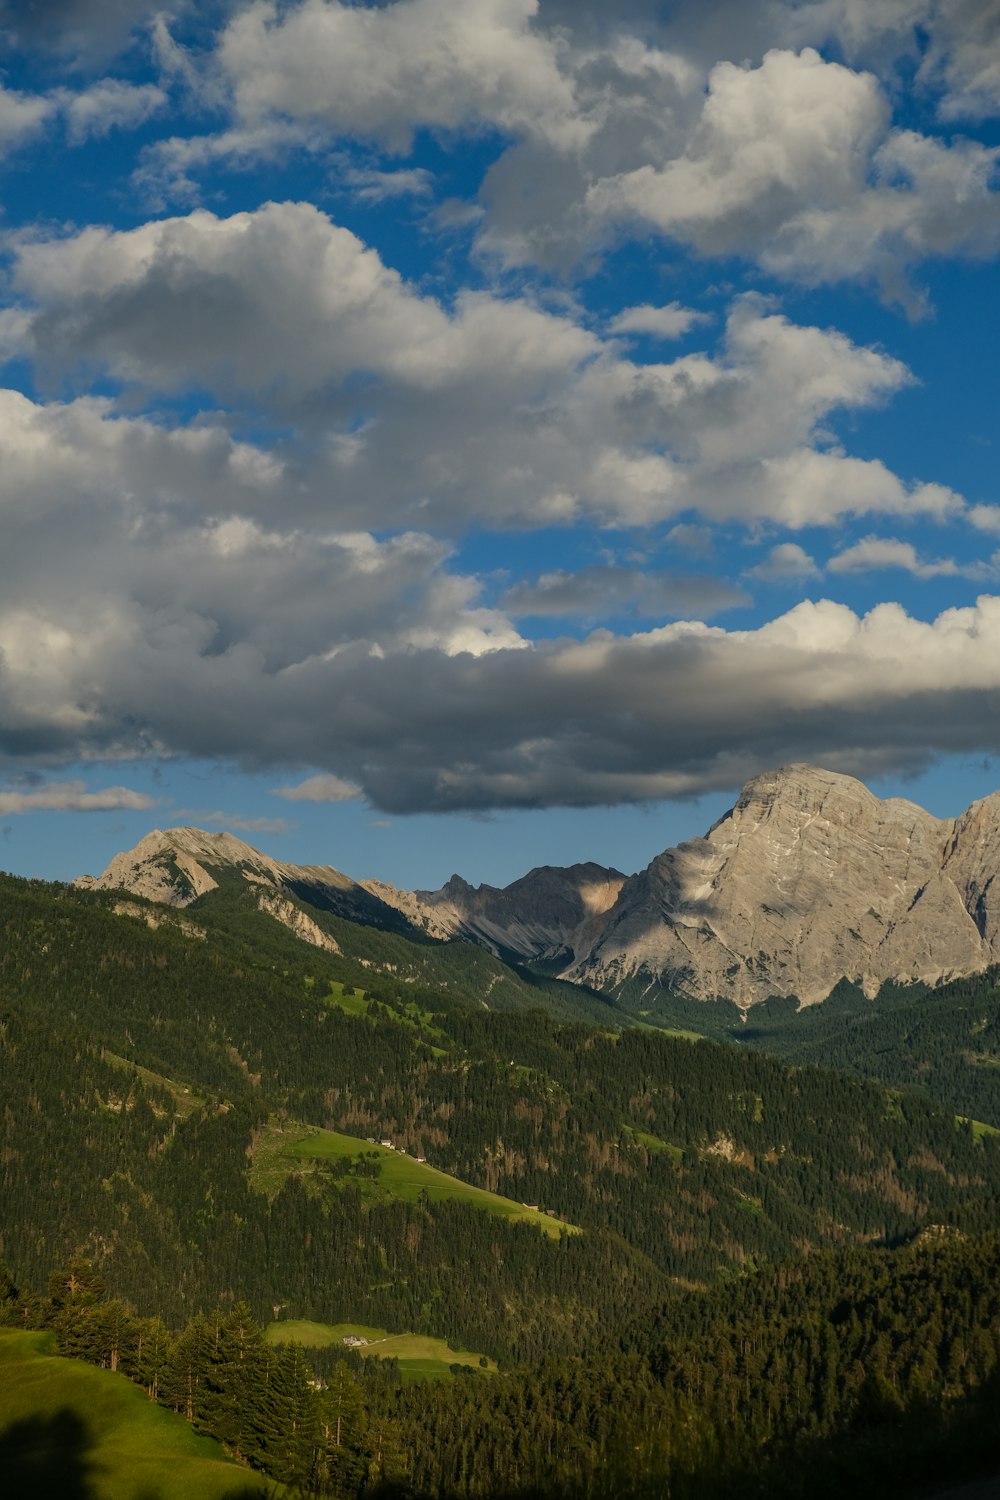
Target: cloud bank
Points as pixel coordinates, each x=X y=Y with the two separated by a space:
x=494 y=408
x=422 y=485
x=674 y=711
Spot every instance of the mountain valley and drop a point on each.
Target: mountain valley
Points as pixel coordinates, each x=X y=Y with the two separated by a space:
x=246 y=1092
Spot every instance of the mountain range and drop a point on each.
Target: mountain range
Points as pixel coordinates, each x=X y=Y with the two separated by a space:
x=809 y=879
x=239 y=1091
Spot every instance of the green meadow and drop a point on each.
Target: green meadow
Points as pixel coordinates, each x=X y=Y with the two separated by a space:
x=979 y=1128
x=677 y=1031
x=74 y=1432
x=185 y=1102
x=308 y=1150
x=652 y=1143
x=420 y=1357
x=357 y=1002
x=343 y=997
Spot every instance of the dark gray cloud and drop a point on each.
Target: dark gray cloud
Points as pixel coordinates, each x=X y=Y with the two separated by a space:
x=674 y=712
x=90 y=30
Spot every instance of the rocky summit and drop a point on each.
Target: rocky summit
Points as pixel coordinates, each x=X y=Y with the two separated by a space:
x=807 y=880
x=550 y=913
x=176 y=866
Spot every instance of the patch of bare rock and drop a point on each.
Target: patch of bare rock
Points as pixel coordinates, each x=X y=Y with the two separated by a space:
x=808 y=879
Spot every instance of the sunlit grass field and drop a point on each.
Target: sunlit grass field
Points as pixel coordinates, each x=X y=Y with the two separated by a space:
x=420 y=1357
x=292 y=1147
x=70 y=1429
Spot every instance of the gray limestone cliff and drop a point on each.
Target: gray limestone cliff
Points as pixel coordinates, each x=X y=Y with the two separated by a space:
x=174 y=867
x=807 y=880
x=549 y=913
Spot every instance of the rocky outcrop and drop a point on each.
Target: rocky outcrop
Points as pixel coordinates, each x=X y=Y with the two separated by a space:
x=155 y=919
x=296 y=920
x=549 y=913
x=810 y=878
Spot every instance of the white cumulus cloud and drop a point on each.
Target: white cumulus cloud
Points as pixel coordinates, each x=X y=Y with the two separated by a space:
x=670 y=322
x=879 y=552
x=786 y=562
x=324 y=788
x=385 y=70
x=414 y=413
x=72 y=796
x=22 y=116
x=110 y=104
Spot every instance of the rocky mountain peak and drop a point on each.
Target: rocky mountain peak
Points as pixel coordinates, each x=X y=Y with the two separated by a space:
x=809 y=878
x=549 y=913
x=799 y=783
x=174 y=866
x=801 y=791
x=223 y=848
x=165 y=866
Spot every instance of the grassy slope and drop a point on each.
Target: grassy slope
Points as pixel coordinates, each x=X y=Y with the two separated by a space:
x=653 y=1143
x=980 y=1129
x=185 y=1102
x=946 y=1041
x=69 y=1429
x=419 y=1357
x=303 y=1148
x=402 y=957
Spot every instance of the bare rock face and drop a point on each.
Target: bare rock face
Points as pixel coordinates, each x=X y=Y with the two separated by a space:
x=437 y=921
x=809 y=879
x=550 y=912
x=972 y=864
x=155 y=919
x=296 y=920
x=164 y=866
x=174 y=866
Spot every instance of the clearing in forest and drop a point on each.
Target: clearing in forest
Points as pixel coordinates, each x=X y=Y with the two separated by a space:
x=420 y=1357
x=377 y=1171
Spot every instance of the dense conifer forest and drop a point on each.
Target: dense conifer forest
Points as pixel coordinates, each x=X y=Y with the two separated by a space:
x=760 y=1263
x=874 y=1370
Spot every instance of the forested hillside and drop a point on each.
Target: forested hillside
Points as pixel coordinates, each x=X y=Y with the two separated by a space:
x=868 y=1372
x=943 y=1042
x=160 y=1084
x=142 y=1065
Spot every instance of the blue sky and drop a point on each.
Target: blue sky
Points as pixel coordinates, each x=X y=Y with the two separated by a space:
x=469 y=434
